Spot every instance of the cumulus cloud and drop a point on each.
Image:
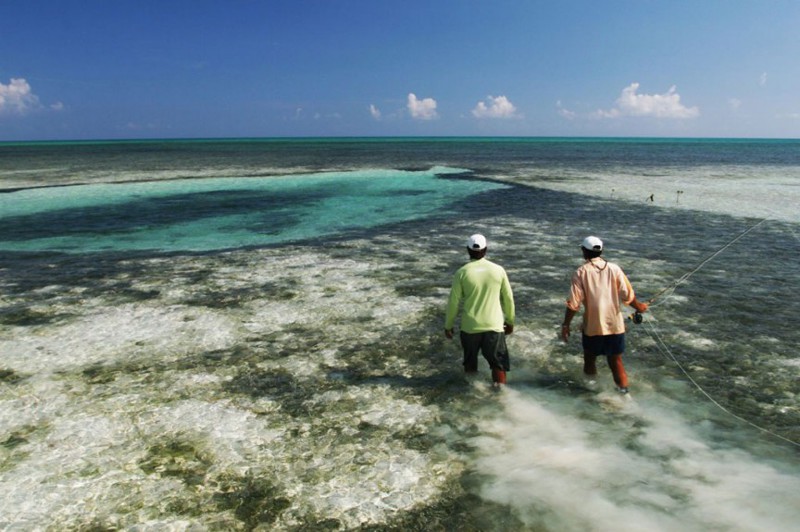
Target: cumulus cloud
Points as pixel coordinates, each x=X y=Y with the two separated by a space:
x=631 y=103
x=375 y=112
x=735 y=103
x=17 y=96
x=763 y=79
x=499 y=107
x=424 y=109
x=564 y=112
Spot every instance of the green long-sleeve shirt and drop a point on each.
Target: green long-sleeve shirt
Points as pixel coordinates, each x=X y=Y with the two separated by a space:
x=483 y=288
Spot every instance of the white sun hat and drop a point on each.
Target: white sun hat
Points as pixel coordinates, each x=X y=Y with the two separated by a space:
x=476 y=242
x=592 y=243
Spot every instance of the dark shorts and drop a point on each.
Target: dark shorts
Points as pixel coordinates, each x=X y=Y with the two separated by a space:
x=492 y=346
x=610 y=344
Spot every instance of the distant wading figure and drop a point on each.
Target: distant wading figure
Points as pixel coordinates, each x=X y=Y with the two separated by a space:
x=481 y=287
x=599 y=286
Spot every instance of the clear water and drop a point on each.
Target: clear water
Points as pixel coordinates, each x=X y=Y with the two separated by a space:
x=247 y=334
x=204 y=214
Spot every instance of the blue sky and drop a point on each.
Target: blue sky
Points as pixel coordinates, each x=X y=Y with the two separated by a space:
x=107 y=69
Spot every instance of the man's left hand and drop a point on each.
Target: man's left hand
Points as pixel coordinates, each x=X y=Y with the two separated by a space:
x=507 y=328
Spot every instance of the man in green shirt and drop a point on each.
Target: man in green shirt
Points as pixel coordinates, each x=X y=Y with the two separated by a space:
x=482 y=291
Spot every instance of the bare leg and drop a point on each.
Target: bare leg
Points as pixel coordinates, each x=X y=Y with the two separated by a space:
x=618 y=370
x=589 y=365
x=498 y=376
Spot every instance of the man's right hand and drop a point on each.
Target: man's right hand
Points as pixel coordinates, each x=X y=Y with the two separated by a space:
x=565 y=332
x=448 y=333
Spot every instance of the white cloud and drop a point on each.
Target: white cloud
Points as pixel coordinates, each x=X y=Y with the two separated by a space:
x=763 y=79
x=735 y=103
x=499 y=107
x=424 y=109
x=328 y=116
x=375 y=112
x=566 y=113
x=630 y=103
x=136 y=126
x=17 y=96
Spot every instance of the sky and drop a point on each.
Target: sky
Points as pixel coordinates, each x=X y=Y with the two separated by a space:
x=117 y=69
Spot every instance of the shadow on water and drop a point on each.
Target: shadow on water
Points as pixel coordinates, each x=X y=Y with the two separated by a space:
x=275 y=212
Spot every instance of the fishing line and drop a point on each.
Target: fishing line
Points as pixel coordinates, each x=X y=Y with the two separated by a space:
x=691 y=272
x=664 y=349
x=636 y=317
x=787 y=224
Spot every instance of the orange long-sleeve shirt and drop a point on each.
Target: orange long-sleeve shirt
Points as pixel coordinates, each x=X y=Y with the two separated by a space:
x=600 y=286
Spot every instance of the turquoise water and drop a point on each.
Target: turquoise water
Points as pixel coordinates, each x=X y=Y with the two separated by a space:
x=222 y=213
x=246 y=334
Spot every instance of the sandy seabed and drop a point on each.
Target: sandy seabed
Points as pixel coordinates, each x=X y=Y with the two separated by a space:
x=309 y=387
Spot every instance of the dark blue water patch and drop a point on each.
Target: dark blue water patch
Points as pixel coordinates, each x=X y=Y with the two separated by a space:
x=634 y=235
x=207 y=214
x=273 y=209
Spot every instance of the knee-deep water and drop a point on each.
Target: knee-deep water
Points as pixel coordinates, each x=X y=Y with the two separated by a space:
x=248 y=335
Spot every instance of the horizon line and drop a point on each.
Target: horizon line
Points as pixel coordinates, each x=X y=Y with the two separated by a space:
x=386 y=137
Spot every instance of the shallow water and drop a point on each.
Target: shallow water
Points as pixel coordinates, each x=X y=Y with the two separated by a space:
x=305 y=384
x=205 y=214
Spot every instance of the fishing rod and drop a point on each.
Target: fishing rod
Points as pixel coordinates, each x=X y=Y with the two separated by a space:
x=636 y=317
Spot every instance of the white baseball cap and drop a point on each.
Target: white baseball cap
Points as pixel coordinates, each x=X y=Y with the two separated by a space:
x=477 y=242
x=592 y=243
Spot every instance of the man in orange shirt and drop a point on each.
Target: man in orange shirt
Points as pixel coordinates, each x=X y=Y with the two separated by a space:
x=599 y=286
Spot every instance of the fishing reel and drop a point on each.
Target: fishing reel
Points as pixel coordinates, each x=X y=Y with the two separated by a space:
x=636 y=317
